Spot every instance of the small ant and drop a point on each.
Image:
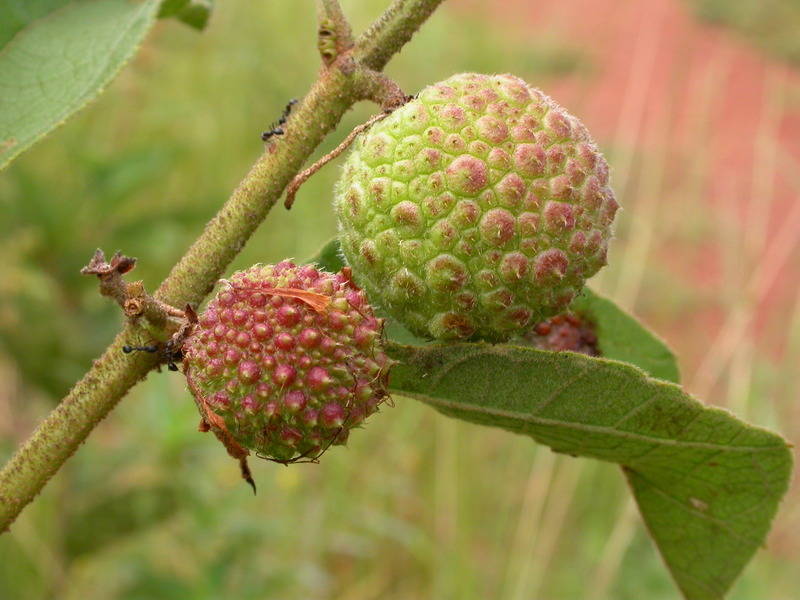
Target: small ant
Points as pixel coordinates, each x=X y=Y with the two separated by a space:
x=149 y=348
x=276 y=128
x=168 y=355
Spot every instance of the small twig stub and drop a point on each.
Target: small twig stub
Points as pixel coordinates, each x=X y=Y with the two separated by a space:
x=303 y=176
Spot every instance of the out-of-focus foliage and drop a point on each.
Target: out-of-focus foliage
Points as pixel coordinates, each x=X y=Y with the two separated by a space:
x=194 y=13
x=772 y=24
x=57 y=55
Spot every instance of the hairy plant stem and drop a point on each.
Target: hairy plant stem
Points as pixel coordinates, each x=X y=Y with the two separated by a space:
x=347 y=79
x=384 y=38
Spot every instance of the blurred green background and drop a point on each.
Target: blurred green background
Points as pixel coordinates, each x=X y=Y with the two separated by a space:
x=417 y=506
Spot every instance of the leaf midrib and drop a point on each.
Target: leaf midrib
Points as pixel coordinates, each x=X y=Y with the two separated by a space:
x=460 y=407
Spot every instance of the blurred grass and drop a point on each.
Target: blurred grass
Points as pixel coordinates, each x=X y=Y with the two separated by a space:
x=417 y=506
x=772 y=24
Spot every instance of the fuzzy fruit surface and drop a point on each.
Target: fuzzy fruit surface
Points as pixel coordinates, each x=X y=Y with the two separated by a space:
x=290 y=357
x=475 y=210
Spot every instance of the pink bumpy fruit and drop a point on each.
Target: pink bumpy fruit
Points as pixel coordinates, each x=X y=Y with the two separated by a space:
x=290 y=358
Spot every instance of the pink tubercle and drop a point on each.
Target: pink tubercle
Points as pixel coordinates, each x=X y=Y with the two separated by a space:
x=332 y=415
x=288 y=315
x=295 y=401
x=285 y=341
x=284 y=375
x=290 y=436
x=318 y=379
x=249 y=372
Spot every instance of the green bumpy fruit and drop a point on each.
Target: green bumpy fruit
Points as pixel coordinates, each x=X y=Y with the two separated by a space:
x=291 y=358
x=475 y=210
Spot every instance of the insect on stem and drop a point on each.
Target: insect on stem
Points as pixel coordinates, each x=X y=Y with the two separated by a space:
x=277 y=127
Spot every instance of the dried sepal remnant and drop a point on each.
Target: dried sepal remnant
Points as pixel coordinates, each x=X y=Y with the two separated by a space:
x=139 y=307
x=289 y=358
x=99 y=266
x=319 y=302
x=110 y=275
x=475 y=210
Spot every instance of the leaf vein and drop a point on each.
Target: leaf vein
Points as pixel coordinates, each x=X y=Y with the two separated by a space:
x=599 y=429
x=697 y=513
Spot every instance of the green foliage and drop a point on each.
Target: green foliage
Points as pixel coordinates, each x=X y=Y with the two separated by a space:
x=772 y=24
x=194 y=13
x=708 y=485
x=117 y=515
x=621 y=337
x=56 y=56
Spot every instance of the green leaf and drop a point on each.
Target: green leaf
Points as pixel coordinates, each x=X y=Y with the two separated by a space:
x=194 y=13
x=708 y=485
x=623 y=338
x=170 y=8
x=329 y=257
x=56 y=56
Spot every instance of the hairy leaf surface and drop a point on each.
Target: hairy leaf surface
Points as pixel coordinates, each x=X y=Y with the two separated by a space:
x=707 y=484
x=623 y=338
x=56 y=56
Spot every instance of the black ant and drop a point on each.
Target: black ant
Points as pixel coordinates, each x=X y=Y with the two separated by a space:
x=150 y=348
x=276 y=128
x=167 y=353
